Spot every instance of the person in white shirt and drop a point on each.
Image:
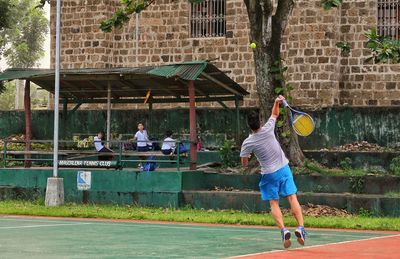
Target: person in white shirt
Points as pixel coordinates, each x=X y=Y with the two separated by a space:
x=142 y=138
x=98 y=144
x=169 y=144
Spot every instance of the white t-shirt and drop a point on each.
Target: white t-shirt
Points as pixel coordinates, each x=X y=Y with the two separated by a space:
x=97 y=143
x=169 y=143
x=266 y=148
x=141 y=138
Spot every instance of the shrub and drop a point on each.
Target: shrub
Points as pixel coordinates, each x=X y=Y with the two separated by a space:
x=228 y=154
x=395 y=166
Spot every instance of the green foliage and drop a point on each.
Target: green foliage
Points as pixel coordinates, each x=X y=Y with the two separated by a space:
x=122 y=16
x=395 y=166
x=4 y=14
x=228 y=154
x=346 y=164
x=357 y=184
x=84 y=143
x=364 y=213
x=278 y=70
x=384 y=49
x=344 y=47
x=392 y=194
x=7 y=97
x=311 y=166
x=329 y=4
x=26 y=35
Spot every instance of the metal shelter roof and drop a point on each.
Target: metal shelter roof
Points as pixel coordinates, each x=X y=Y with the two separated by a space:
x=91 y=85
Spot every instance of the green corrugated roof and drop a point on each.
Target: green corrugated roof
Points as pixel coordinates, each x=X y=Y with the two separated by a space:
x=186 y=70
x=92 y=83
x=11 y=74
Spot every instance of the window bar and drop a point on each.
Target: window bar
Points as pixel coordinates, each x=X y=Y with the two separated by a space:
x=206 y=3
x=218 y=13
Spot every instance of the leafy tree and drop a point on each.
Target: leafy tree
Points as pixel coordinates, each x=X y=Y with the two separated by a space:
x=26 y=34
x=4 y=14
x=4 y=23
x=8 y=97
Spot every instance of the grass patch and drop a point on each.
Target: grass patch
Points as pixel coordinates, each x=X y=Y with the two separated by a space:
x=311 y=167
x=191 y=215
x=392 y=194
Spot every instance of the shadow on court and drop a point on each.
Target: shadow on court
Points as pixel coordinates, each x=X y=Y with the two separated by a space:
x=32 y=237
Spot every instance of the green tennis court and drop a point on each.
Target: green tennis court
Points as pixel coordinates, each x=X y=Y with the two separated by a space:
x=25 y=237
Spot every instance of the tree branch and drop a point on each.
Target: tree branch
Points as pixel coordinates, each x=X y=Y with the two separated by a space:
x=281 y=17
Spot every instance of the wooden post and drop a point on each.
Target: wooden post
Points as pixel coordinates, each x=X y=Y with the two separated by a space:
x=192 y=119
x=28 y=124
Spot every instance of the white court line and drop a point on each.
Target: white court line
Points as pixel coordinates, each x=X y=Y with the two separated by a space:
x=18 y=219
x=208 y=228
x=48 y=225
x=202 y=228
x=314 y=246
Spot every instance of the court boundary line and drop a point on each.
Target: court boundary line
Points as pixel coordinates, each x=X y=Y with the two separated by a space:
x=313 y=246
x=228 y=228
x=48 y=225
x=388 y=232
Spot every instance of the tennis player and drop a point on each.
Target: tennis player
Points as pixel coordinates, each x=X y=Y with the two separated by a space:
x=277 y=179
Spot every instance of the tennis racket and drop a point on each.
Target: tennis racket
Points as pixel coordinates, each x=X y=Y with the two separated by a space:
x=302 y=123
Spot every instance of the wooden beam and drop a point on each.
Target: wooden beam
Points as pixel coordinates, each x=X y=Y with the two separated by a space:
x=212 y=79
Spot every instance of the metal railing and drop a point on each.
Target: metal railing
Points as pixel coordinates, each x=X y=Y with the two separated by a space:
x=41 y=153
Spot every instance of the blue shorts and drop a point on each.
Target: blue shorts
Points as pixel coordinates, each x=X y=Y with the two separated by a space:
x=277 y=184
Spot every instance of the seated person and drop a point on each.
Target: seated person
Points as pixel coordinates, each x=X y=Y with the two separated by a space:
x=169 y=144
x=98 y=144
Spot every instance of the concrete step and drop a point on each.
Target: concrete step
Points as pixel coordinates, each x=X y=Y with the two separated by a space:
x=378 y=205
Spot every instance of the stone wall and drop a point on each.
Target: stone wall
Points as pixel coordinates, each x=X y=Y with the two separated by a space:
x=320 y=75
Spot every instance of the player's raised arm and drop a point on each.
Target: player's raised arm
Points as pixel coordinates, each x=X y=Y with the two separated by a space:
x=275 y=108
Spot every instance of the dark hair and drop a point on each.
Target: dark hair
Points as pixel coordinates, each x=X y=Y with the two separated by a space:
x=168 y=133
x=253 y=120
x=102 y=134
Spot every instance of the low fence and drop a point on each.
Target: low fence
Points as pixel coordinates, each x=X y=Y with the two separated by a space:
x=39 y=153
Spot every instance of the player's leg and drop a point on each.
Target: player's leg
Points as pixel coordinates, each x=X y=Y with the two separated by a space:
x=296 y=209
x=277 y=214
x=298 y=214
x=269 y=188
x=288 y=189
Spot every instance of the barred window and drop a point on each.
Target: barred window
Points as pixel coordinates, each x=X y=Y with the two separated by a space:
x=388 y=18
x=207 y=19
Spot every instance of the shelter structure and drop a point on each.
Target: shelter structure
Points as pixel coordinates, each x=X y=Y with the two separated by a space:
x=196 y=81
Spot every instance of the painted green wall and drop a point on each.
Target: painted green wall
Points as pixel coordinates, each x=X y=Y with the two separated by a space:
x=108 y=186
x=338 y=126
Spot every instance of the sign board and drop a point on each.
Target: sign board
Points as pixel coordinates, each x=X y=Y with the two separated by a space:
x=84 y=180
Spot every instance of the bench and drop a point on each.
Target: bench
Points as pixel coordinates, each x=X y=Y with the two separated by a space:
x=79 y=158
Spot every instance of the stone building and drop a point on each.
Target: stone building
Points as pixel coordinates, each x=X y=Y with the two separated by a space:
x=172 y=31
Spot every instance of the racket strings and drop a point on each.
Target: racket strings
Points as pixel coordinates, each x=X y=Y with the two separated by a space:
x=303 y=124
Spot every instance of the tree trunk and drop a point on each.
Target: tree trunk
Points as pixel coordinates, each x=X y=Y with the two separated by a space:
x=266 y=31
x=28 y=124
